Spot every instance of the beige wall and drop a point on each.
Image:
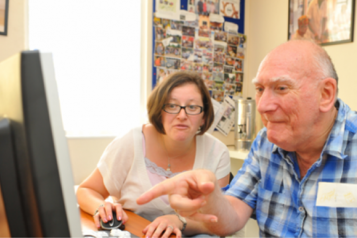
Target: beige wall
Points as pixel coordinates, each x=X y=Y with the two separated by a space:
x=16 y=39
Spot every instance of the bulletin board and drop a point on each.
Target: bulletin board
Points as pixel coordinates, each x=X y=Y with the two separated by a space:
x=206 y=45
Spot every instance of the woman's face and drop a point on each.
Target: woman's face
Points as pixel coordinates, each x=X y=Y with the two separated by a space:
x=183 y=127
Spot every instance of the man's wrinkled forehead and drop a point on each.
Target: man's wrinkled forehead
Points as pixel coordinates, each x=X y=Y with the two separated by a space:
x=280 y=79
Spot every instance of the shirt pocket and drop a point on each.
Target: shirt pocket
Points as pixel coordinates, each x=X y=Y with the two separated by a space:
x=271 y=211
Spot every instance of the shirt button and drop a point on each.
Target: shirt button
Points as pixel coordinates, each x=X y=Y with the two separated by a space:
x=301 y=209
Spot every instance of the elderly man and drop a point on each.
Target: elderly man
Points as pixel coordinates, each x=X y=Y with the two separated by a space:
x=300 y=178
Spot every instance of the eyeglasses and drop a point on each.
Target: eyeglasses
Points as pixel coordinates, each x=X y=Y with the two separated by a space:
x=175 y=109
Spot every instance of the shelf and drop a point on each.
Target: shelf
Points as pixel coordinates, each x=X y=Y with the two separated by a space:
x=235 y=154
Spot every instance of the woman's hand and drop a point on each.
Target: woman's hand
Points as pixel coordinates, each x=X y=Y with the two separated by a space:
x=168 y=223
x=105 y=213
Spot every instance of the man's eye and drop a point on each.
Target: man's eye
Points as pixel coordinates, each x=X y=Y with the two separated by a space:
x=259 y=89
x=282 y=88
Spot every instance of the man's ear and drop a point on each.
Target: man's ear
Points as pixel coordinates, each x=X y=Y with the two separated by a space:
x=328 y=94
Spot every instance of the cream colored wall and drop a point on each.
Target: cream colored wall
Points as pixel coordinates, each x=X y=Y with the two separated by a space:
x=16 y=39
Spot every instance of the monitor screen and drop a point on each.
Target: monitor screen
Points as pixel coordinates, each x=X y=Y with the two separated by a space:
x=36 y=177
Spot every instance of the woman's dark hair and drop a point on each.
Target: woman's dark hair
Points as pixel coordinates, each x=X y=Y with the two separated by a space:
x=162 y=91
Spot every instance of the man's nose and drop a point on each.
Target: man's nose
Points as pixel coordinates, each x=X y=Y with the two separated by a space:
x=266 y=102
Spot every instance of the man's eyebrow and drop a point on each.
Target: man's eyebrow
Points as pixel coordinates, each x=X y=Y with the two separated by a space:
x=283 y=78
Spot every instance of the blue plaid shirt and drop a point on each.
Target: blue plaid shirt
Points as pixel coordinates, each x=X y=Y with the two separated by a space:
x=284 y=205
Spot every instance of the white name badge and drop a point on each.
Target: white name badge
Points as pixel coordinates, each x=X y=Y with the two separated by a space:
x=336 y=195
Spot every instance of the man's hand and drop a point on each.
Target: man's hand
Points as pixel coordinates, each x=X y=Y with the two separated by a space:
x=189 y=194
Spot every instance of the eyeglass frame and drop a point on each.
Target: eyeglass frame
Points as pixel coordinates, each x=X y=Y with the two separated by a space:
x=182 y=107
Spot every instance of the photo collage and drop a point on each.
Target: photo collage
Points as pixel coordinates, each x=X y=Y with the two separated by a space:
x=201 y=46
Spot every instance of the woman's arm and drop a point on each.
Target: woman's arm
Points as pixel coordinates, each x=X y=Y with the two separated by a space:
x=91 y=195
x=224 y=181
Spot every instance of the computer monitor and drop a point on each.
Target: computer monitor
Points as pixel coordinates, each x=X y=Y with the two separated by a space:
x=36 y=177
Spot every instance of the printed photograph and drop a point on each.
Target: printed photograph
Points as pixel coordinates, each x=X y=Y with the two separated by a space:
x=206 y=75
x=230 y=9
x=197 y=67
x=229 y=78
x=239 y=77
x=165 y=23
x=220 y=36
x=176 y=25
x=219 y=48
x=159 y=48
x=240 y=53
x=209 y=84
x=187 y=41
x=229 y=89
x=217 y=76
x=187 y=53
x=217 y=67
x=229 y=61
x=233 y=39
x=238 y=65
x=203 y=43
x=159 y=33
x=188 y=31
x=219 y=58
x=324 y=21
x=228 y=69
x=204 y=26
x=173 y=50
x=173 y=63
x=191 y=6
x=171 y=71
x=191 y=23
x=207 y=57
x=186 y=65
x=239 y=88
x=175 y=34
x=197 y=56
x=161 y=74
x=231 y=50
x=207 y=67
x=218 y=95
x=157 y=21
x=168 y=6
x=159 y=61
x=216 y=26
x=219 y=85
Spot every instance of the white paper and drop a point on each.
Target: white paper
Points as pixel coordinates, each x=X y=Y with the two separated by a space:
x=187 y=16
x=181 y=15
x=167 y=41
x=228 y=117
x=336 y=195
x=218 y=110
x=230 y=8
x=230 y=27
x=168 y=6
x=216 y=18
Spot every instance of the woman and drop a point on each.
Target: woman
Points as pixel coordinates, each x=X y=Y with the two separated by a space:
x=180 y=112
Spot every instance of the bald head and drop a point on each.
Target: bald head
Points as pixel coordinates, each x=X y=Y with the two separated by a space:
x=305 y=57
